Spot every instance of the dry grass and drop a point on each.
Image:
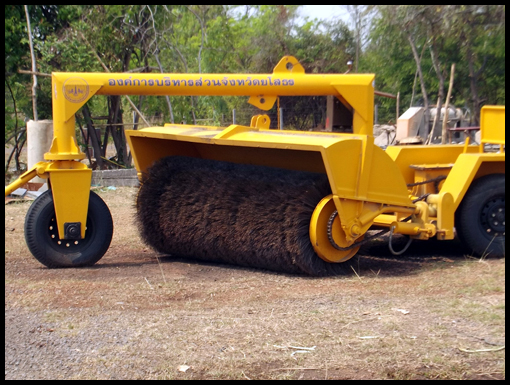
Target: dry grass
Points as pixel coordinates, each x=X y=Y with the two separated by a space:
x=139 y=316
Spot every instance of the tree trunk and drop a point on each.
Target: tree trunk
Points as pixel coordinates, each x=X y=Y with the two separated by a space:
x=436 y=117
x=169 y=104
x=422 y=81
x=117 y=131
x=444 y=133
x=86 y=140
x=473 y=83
x=96 y=144
x=440 y=93
x=135 y=126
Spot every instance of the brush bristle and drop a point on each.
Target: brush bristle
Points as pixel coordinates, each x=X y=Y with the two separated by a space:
x=232 y=213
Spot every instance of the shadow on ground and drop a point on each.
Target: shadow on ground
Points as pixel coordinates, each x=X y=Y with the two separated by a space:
x=374 y=257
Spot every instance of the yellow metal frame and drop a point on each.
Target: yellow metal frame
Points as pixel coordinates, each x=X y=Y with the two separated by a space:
x=70 y=185
x=369 y=185
x=70 y=91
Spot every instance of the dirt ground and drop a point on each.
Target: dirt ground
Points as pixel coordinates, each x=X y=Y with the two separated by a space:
x=432 y=313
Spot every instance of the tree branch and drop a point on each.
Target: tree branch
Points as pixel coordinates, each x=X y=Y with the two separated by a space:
x=34 y=73
x=107 y=70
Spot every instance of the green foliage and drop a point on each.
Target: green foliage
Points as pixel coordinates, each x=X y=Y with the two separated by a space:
x=462 y=34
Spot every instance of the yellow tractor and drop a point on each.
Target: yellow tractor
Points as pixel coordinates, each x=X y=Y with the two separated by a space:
x=288 y=201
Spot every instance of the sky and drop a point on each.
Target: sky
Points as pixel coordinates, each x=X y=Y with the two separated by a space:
x=325 y=12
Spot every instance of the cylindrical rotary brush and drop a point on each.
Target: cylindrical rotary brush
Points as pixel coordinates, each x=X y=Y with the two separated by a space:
x=232 y=213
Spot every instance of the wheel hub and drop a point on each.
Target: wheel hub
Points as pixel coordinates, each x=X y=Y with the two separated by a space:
x=493 y=217
x=69 y=244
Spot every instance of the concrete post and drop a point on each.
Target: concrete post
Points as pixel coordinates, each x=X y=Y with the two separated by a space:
x=39 y=137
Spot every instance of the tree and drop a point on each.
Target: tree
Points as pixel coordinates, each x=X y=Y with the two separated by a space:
x=480 y=31
x=361 y=16
x=447 y=33
x=45 y=20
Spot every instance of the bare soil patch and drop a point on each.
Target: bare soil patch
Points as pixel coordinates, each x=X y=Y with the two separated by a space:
x=433 y=313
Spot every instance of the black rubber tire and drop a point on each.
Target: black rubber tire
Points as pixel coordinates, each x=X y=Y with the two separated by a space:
x=42 y=237
x=480 y=218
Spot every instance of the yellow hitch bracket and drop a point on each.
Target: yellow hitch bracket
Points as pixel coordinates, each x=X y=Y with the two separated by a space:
x=70 y=184
x=260 y=121
x=443 y=204
x=414 y=230
x=289 y=64
x=350 y=211
x=358 y=216
x=419 y=227
x=264 y=102
x=38 y=169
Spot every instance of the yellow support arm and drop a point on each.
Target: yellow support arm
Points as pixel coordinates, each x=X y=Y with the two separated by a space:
x=70 y=185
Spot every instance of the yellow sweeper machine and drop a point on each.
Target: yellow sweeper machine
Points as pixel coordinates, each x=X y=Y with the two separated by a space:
x=288 y=201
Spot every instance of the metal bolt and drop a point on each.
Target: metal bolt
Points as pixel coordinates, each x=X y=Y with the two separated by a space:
x=73 y=230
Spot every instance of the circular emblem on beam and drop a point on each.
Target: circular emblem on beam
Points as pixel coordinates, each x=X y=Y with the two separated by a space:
x=76 y=90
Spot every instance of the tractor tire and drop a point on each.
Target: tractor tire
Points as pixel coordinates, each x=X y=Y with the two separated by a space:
x=480 y=218
x=43 y=241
